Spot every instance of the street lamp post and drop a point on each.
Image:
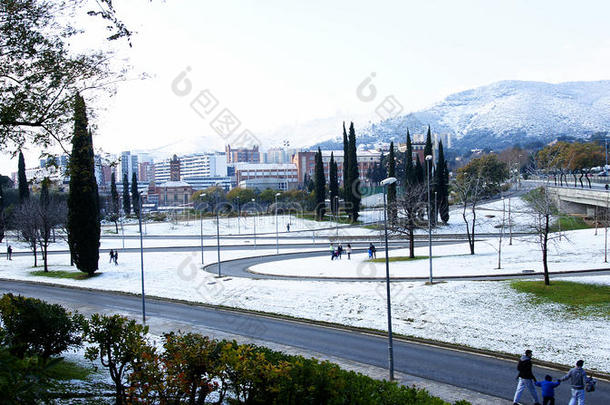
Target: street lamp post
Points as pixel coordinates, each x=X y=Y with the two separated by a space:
x=277 y=234
x=254 y=216
x=429 y=165
x=238 y=215
x=201 y=228
x=384 y=183
x=218 y=237
x=142 y=259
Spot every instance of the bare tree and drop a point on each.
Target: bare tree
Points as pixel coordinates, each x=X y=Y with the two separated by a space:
x=27 y=223
x=469 y=190
x=411 y=207
x=52 y=212
x=543 y=211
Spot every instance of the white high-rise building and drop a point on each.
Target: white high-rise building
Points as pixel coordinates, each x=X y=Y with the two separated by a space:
x=195 y=165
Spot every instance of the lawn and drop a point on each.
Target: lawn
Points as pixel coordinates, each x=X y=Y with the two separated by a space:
x=398 y=259
x=569 y=223
x=66 y=370
x=76 y=275
x=592 y=298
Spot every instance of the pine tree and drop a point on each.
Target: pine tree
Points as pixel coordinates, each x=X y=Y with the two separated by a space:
x=409 y=169
x=392 y=213
x=320 y=183
x=354 y=175
x=126 y=200
x=333 y=185
x=346 y=188
x=114 y=201
x=135 y=197
x=442 y=184
x=83 y=223
x=24 y=188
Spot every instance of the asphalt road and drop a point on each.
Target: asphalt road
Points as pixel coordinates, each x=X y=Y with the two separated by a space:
x=240 y=268
x=470 y=371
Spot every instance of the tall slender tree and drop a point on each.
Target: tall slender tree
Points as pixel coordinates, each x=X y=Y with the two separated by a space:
x=333 y=185
x=354 y=175
x=409 y=169
x=320 y=186
x=135 y=197
x=114 y=202
x=346 y=191
x=2 y=223
x=442 y=184
x=392 y=212
x=429 y=172
x=83 y=223
x=24 y=188
x=126 y=200
x=419 y=171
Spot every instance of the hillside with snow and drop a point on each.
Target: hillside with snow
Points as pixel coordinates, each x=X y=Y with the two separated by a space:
x=504 y=113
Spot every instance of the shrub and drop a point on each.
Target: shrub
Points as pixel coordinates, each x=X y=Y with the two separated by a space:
x=119 y=343
x=35 y=328
x=24 y=381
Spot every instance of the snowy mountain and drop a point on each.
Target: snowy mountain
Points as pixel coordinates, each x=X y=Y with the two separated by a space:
x=505 y=113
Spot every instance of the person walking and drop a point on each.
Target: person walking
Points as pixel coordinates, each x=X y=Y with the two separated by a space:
x=374 y=251
x=116 y=257
x=548 y=389
x=578 y=379
x=349 y=251
x=288 y=227
x=340 y=250
x=526 y=378
x=111 y=256
x=9 y=252
x=332 y=252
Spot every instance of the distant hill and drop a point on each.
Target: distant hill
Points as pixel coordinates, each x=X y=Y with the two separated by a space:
x=502 y=114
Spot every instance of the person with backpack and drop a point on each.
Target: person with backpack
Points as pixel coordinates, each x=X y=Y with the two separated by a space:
x=578 y=381
x=525 y=378
x=548 y=389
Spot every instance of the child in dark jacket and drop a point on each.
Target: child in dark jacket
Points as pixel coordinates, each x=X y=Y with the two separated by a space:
x=548 y=389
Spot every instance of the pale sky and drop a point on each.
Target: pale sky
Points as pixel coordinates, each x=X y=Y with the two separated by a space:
x=281 y=64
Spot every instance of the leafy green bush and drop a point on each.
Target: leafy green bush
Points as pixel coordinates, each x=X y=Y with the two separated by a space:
x=193 y=366
x=119 y=343
x=24 y=381
x=35 y=328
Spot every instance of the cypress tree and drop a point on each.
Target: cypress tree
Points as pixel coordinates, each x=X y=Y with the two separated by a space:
x=114 y=198
x=126 y=201
x=2 y=223
x=320 y=186
x=333 y=185
x=419 y=171
x=442 y=184
x=392 y=212
x=428 y=152
x=354 y=175
x=346 y=189
x=135 y=197
x=83 y=223
x=24 y=188
x=409 y=169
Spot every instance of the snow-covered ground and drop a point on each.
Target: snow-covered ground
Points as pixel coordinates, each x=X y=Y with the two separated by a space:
x=488 y=315
x=482 y=314
x=577 y=250
x=265 y=224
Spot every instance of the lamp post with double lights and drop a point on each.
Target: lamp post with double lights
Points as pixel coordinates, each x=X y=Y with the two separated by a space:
x=385 y=183
x=429 y=169
x=277 y=234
